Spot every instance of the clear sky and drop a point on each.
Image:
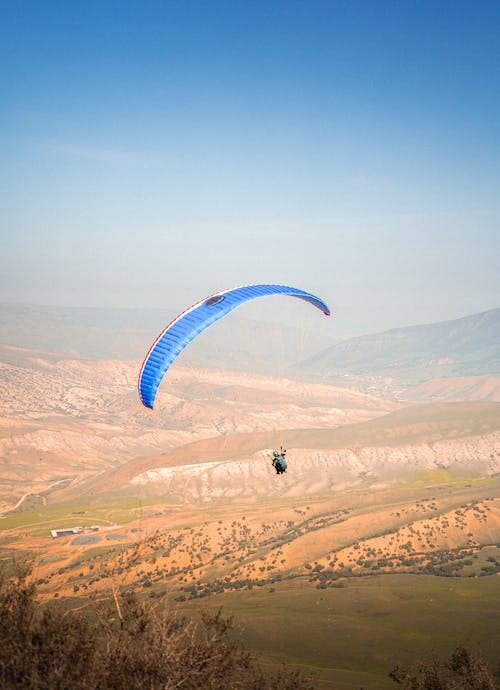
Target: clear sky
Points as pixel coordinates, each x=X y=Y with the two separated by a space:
x=153 y=152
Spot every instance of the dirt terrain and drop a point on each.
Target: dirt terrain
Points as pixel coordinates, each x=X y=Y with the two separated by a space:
x=454 y=388
x=462 y=437
x=64 y=419
x=436 y=524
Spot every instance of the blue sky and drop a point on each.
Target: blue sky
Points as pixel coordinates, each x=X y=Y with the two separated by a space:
x=153 y=152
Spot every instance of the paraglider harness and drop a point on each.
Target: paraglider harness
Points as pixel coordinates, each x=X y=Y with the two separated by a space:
x=279 y=462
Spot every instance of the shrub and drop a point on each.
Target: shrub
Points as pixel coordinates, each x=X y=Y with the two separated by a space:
x=50 y=647
x=464 y=670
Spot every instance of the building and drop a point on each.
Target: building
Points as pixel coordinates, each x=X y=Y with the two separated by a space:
x=64 y=531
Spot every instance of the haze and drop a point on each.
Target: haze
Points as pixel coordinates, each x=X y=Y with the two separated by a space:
x=154 y=154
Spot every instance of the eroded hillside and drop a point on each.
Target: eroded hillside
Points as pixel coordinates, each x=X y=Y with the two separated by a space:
x=463 y=437
x=63 y=419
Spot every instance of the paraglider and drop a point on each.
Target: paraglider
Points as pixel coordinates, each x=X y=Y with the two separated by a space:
x=279 y=462
x=189 y=323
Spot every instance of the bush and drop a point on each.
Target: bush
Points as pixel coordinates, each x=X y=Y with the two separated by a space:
x=464 y=670
x=45 y=647
x=42 y=648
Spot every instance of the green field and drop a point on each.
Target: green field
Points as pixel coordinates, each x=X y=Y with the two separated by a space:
x=40 y=522
x=351 y=637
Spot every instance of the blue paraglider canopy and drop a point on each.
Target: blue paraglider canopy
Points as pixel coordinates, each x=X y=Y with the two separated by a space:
x=189 y=323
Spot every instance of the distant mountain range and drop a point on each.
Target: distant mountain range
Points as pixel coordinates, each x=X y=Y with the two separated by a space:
x=466 y=346
x=236 y=343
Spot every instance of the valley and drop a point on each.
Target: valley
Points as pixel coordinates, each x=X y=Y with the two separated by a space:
x=366 y=566
x=381 y=542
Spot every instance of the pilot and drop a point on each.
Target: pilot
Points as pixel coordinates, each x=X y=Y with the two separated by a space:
x=279 y=462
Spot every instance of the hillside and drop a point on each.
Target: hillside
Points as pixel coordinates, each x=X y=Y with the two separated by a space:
x=63 y=418
x=466 y=346
x=458 y=436
x=455 y=388
x=314 y=571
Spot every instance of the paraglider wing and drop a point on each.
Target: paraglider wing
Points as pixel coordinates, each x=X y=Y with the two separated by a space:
x=187 y=325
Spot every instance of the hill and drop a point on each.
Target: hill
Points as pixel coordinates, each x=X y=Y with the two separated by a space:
x=460 y=436
x=455 y=388
x=63 y=418
x=466 y=346
x=305 y=576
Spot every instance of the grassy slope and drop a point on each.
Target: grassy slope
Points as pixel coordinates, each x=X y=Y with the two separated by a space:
x=469 y=345
x=352 y=637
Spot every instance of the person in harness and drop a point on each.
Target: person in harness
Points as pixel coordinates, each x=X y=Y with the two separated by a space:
x=279 y=462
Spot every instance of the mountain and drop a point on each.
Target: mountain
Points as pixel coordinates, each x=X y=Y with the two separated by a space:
x=62 y=418
x=236 y=343
x=456 y=360
x=469 y=346
x=455 y=388
x=463 y=437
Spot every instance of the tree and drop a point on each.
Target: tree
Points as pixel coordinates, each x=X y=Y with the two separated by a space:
x=464 y=670
x=52 y=647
